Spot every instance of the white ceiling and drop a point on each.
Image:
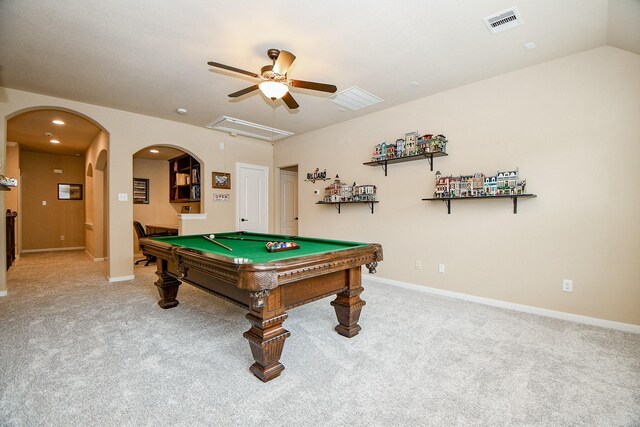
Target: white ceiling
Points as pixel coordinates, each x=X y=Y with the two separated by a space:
x=150 y=56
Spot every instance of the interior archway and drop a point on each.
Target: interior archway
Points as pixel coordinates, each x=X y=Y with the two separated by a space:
x=53 y=154
x=167 y=189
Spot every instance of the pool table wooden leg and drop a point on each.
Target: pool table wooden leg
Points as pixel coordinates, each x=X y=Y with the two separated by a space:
x=348 y=305
x=167 y=287
x=266 y=337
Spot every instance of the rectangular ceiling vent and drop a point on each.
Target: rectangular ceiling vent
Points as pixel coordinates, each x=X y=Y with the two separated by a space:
x=504 y=20
x=252 y=130
x=354 y=99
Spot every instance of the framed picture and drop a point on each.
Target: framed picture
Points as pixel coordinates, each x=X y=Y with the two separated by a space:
x=185 y=209
x=221 y=180
x=141 y=190
x=69 y=191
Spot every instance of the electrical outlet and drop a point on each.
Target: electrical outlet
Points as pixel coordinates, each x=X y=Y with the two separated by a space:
x=418 y=264
x=44 y=203
x=61 y=237
x=440 y=268
x=567 y=285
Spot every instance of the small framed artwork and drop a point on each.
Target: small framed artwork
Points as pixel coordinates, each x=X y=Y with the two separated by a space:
x=221 y=180
x=141 y=190
x=185 y=209
x=69 y=191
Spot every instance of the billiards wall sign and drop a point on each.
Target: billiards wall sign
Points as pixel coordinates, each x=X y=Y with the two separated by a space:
x=317 y=176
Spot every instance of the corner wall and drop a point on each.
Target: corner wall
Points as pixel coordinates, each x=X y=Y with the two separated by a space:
x=570 y=125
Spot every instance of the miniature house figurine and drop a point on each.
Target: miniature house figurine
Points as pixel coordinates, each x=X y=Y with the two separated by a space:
x=410 y=140
x=400 y=148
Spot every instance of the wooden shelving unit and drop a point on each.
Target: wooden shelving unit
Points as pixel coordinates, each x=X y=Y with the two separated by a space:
x=337 y=204
x=184 y=179
x=385 y=162
x=514 y=197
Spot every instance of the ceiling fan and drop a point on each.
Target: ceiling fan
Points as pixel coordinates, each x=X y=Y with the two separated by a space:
x=275 y=83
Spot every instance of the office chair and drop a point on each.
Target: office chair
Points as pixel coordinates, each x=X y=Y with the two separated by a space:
x=141 y=233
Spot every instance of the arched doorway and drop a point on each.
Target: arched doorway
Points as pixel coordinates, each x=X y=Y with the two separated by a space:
x=53 y=147
x=167 y=189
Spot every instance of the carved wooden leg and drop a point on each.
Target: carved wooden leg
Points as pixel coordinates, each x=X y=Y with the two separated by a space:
x=167 y=288
x=266 y=336
x=348 y=305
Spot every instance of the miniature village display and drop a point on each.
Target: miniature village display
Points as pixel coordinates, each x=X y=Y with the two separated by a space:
x=505 y=183
x=413 y=144
x=340 y=192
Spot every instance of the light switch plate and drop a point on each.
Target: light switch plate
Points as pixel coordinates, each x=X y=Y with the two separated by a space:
x=123 y=197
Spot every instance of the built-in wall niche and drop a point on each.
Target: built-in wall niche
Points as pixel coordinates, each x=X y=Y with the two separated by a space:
x=184 y=179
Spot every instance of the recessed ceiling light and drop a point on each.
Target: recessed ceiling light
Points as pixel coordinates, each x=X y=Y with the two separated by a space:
x=154 y=151
x=181 y=110
x=530 y=45
x=414 y=84
x=57 y=122
x=54 y=141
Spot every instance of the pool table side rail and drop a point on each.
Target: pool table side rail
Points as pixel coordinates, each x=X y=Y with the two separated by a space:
x=256 y=277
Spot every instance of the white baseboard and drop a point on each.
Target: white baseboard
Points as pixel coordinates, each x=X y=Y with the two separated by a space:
x=121 y=278
x=626 y=327
x=75 y=248
x=3 y=293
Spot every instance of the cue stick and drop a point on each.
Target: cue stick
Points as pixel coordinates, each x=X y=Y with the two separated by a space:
x=247 y=239
x=217 y=243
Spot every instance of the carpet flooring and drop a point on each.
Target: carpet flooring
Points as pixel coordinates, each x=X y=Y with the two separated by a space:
x=77 y=350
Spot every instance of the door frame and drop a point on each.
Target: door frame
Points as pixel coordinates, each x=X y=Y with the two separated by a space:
x=281 y=171
x=265 y=169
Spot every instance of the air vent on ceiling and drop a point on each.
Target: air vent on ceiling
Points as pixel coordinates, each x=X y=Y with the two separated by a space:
x=503 y=20
x=252 y=130
x=354 y=99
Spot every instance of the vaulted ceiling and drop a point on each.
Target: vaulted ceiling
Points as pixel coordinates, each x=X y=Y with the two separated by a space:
x=150 y=57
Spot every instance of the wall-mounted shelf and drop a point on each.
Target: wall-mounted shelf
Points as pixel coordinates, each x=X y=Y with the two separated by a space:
x=385 y=162
x=337 y=204
x=515 y=197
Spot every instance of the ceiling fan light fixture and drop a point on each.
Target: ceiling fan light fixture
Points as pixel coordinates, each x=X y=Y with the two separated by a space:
x=273 y=90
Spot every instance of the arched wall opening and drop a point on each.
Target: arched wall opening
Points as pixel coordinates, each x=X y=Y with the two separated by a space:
x=167 y=189
x=81 y=140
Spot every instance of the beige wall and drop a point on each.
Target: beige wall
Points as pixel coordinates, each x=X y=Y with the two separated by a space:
x=43 y=225
x=94 y=168
x=127 y=134
x=570 y=125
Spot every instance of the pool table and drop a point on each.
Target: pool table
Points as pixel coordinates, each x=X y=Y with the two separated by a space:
x=266 y=283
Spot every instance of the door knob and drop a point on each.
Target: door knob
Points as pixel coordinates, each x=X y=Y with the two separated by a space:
x=243 y=220
x=296 y=218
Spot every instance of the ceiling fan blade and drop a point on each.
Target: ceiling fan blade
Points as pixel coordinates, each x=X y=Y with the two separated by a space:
x=291 y=103
x=284 y=61
x=313 y=86
x=244 y=91
x=234 y=69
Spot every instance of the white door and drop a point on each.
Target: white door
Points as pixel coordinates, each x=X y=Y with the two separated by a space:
x=289 y=203
x=252 y=198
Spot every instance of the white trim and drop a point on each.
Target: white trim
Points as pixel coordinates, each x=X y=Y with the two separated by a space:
x=3 y=293
x=75 y=248
x=121 y=278
x=192 y=216
x=625 y=327
x=98 y=259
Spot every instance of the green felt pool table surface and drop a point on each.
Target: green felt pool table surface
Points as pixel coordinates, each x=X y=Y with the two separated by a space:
x=252 y=246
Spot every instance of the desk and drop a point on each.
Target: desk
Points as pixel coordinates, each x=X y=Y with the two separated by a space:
x=171 y=230
x=266 y=284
